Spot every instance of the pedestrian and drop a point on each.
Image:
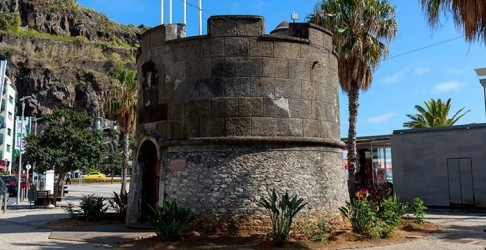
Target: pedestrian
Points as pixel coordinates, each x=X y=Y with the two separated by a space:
x=68 y=178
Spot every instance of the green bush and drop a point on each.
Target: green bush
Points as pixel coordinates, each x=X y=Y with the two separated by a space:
x=282 y=213
x=119 y=202
x=391 y=212
x=93 y=207
x=377 y=216
x=418 y=209
x=317 y=231
x=10 y=21
x=170 y=221
x=107 y=180
x=362 y=215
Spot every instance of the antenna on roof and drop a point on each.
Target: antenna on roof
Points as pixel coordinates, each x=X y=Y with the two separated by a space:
x=185 y=11
x=161 y=11
x=200 y=17
x=170 y=11
x=294 y=16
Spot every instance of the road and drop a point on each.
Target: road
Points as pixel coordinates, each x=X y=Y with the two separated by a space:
x=76 y=191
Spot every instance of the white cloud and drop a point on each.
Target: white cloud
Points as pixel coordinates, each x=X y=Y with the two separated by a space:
x=421 y=71
x=395 y=77
x=381 y=118
x=458 y=71
x=447 y=86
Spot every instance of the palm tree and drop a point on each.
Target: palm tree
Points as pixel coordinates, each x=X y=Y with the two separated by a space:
x=360 y=27
x=435 y=114
x=122 y=106
x=470 y=14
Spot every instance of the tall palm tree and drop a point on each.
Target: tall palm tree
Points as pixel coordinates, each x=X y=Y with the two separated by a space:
x=361 y=28
x=434 y=114
x=470 y=14
x=122 y=106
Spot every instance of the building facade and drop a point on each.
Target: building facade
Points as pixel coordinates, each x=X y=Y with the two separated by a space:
x=224 y=118
x=443 y=166
x=7 y=123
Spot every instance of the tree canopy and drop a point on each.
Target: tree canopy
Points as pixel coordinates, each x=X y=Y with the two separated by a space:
x=470 y=15
x=68 y=143
x=434 y=114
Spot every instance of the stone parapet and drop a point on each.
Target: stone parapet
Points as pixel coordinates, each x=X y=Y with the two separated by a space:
x=237 y=81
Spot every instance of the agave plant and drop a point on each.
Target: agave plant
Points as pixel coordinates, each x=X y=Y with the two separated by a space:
x=282 y=213
x=170 y=221
x=119 y=202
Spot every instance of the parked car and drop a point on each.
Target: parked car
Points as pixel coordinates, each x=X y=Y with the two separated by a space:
x=22 y=180
x=95 y=175
x=11 y=183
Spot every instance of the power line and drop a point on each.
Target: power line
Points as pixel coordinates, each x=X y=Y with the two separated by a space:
x=422 y=48
x=388 y=58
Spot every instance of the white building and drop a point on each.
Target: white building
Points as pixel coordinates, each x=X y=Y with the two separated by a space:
x=7 y=125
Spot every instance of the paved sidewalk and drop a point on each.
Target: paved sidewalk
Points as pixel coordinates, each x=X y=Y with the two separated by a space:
x=458 y=230
x=21 y=227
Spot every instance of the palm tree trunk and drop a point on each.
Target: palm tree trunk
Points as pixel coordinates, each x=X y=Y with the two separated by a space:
x=353 y=103
x=125 y=162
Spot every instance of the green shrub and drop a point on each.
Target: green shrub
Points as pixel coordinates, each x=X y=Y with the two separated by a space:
x=170 y=221
x=10 y=21
x=282 y=213
x=317 y=231
x=362 y=215
x=418 y=209
x=375 y=215
x=119 y=202
x=93 y=207
x=391 y=212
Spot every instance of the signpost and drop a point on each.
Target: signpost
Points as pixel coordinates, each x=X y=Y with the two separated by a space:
x=50 y=181
x=22 y=127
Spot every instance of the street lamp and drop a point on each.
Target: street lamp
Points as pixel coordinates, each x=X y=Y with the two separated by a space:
x=481 y=72
x=21 y=147
x=34 y=120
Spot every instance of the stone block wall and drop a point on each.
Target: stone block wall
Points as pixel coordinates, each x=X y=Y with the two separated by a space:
x=218 y=176
x=236 y=81
x=236 y=113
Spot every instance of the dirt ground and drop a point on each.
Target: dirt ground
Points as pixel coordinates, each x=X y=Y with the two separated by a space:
x=340 y=239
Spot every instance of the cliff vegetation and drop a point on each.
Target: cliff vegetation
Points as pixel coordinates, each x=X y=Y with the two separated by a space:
x=63 y=54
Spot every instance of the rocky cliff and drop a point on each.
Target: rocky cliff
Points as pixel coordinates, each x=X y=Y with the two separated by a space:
x=62 y=54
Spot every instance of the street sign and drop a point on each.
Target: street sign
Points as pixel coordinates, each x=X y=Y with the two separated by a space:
x=20 y=132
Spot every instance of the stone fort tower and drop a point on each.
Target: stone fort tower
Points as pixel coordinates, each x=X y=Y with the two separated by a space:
x=225 y=117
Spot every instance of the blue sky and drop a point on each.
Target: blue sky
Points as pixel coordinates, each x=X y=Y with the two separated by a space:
x=399 y=83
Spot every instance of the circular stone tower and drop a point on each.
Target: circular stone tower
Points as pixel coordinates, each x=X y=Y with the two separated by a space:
x=223 y=118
